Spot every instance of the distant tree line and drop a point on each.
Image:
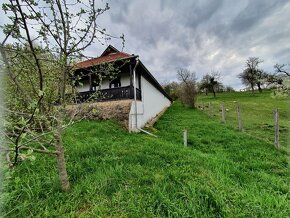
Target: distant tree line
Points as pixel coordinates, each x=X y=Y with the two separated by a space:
x=187 y=86
x=252 y=76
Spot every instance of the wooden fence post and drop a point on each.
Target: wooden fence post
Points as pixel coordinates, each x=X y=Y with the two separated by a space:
x=185 y=137
x=223 y=113
x=240 y=125
x=276 y=122
x=209 y=110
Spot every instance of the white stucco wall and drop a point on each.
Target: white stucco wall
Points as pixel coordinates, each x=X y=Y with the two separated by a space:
x=84 y=87
x=105 y=84
x=153 y=102
x=125 y=80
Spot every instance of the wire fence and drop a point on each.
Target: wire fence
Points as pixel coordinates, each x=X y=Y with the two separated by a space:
x=263 y=124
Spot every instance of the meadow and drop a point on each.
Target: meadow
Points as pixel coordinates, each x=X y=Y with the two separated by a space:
x=256 y=113
x=222 y=173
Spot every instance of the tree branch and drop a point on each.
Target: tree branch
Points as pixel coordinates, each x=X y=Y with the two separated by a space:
x=38 y=150
x=31 y=47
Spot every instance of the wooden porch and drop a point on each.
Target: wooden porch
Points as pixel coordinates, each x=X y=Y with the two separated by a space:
x=119 y=93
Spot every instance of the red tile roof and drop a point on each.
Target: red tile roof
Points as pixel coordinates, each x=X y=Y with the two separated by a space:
x=103 y=59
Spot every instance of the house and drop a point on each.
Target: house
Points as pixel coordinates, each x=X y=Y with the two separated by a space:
x=131 y=81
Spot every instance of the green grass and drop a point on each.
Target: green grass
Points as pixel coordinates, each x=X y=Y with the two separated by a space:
x=223 y=173
x=256 y=113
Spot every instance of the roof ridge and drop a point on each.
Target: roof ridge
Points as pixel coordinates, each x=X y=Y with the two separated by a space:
x=104 y=59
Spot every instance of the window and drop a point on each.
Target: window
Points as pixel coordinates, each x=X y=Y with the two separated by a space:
x=115 y=82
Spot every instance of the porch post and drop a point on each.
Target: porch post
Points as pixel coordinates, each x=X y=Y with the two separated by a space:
x=91 y=87
x=139 y=79
x=131 y=81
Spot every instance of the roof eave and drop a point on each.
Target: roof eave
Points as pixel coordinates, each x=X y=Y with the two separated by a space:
x=119 y=59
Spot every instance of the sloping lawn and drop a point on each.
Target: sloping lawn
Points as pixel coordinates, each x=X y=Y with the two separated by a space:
x=223 y=173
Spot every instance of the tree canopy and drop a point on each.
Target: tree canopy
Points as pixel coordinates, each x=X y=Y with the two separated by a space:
x=252 y=75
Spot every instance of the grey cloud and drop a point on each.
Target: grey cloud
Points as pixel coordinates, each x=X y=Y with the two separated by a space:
x=200 y=34
x=254 y=13
x=121 y=11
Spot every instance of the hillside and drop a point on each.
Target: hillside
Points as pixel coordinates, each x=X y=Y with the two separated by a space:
x=223 y=173
x=256 y=113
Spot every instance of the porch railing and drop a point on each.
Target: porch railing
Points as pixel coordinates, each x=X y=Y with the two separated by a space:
x=126 y=92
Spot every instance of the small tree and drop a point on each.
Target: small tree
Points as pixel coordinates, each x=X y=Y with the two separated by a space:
x=204 y=84
x=210 y=82
x=252 y=75
x=52 y=24
x=188 y=90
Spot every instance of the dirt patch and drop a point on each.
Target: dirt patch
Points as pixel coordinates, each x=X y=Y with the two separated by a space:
x=118 y=110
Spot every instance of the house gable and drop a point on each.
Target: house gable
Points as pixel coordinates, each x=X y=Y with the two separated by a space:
x=109 y=50
x=111 y=54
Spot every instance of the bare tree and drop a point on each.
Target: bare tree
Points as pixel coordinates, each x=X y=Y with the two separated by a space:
x=188 y=87
x=64 y=35
x=250 y=75
x=280 y=69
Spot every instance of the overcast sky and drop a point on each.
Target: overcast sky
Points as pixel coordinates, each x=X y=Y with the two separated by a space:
x=200 y=35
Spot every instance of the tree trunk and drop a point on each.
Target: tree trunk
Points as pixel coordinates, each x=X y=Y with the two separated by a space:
x=61 y=165
x=252 y=87
x=259 y=87
x=213 y=92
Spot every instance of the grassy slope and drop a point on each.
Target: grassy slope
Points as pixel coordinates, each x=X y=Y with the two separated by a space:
x=224 y=173
x=256 y=112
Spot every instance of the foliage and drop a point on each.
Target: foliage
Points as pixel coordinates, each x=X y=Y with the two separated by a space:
x=210 y=83
x=21 y=65
x=172 y=89
x=63 y=38
x=223 y=173
x=252 y=75
x=281 y=80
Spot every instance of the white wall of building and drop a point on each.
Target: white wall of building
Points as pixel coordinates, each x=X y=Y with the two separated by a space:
x=153 y=102
x=84 y=87
x=105 y=84
x=125 y=79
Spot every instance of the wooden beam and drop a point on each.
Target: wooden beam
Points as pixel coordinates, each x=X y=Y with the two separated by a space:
x=90 y=76
x=139 y=80
x=131 y=80
x=131 y=73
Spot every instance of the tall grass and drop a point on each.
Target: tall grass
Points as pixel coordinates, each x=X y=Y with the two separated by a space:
x=223 y=173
